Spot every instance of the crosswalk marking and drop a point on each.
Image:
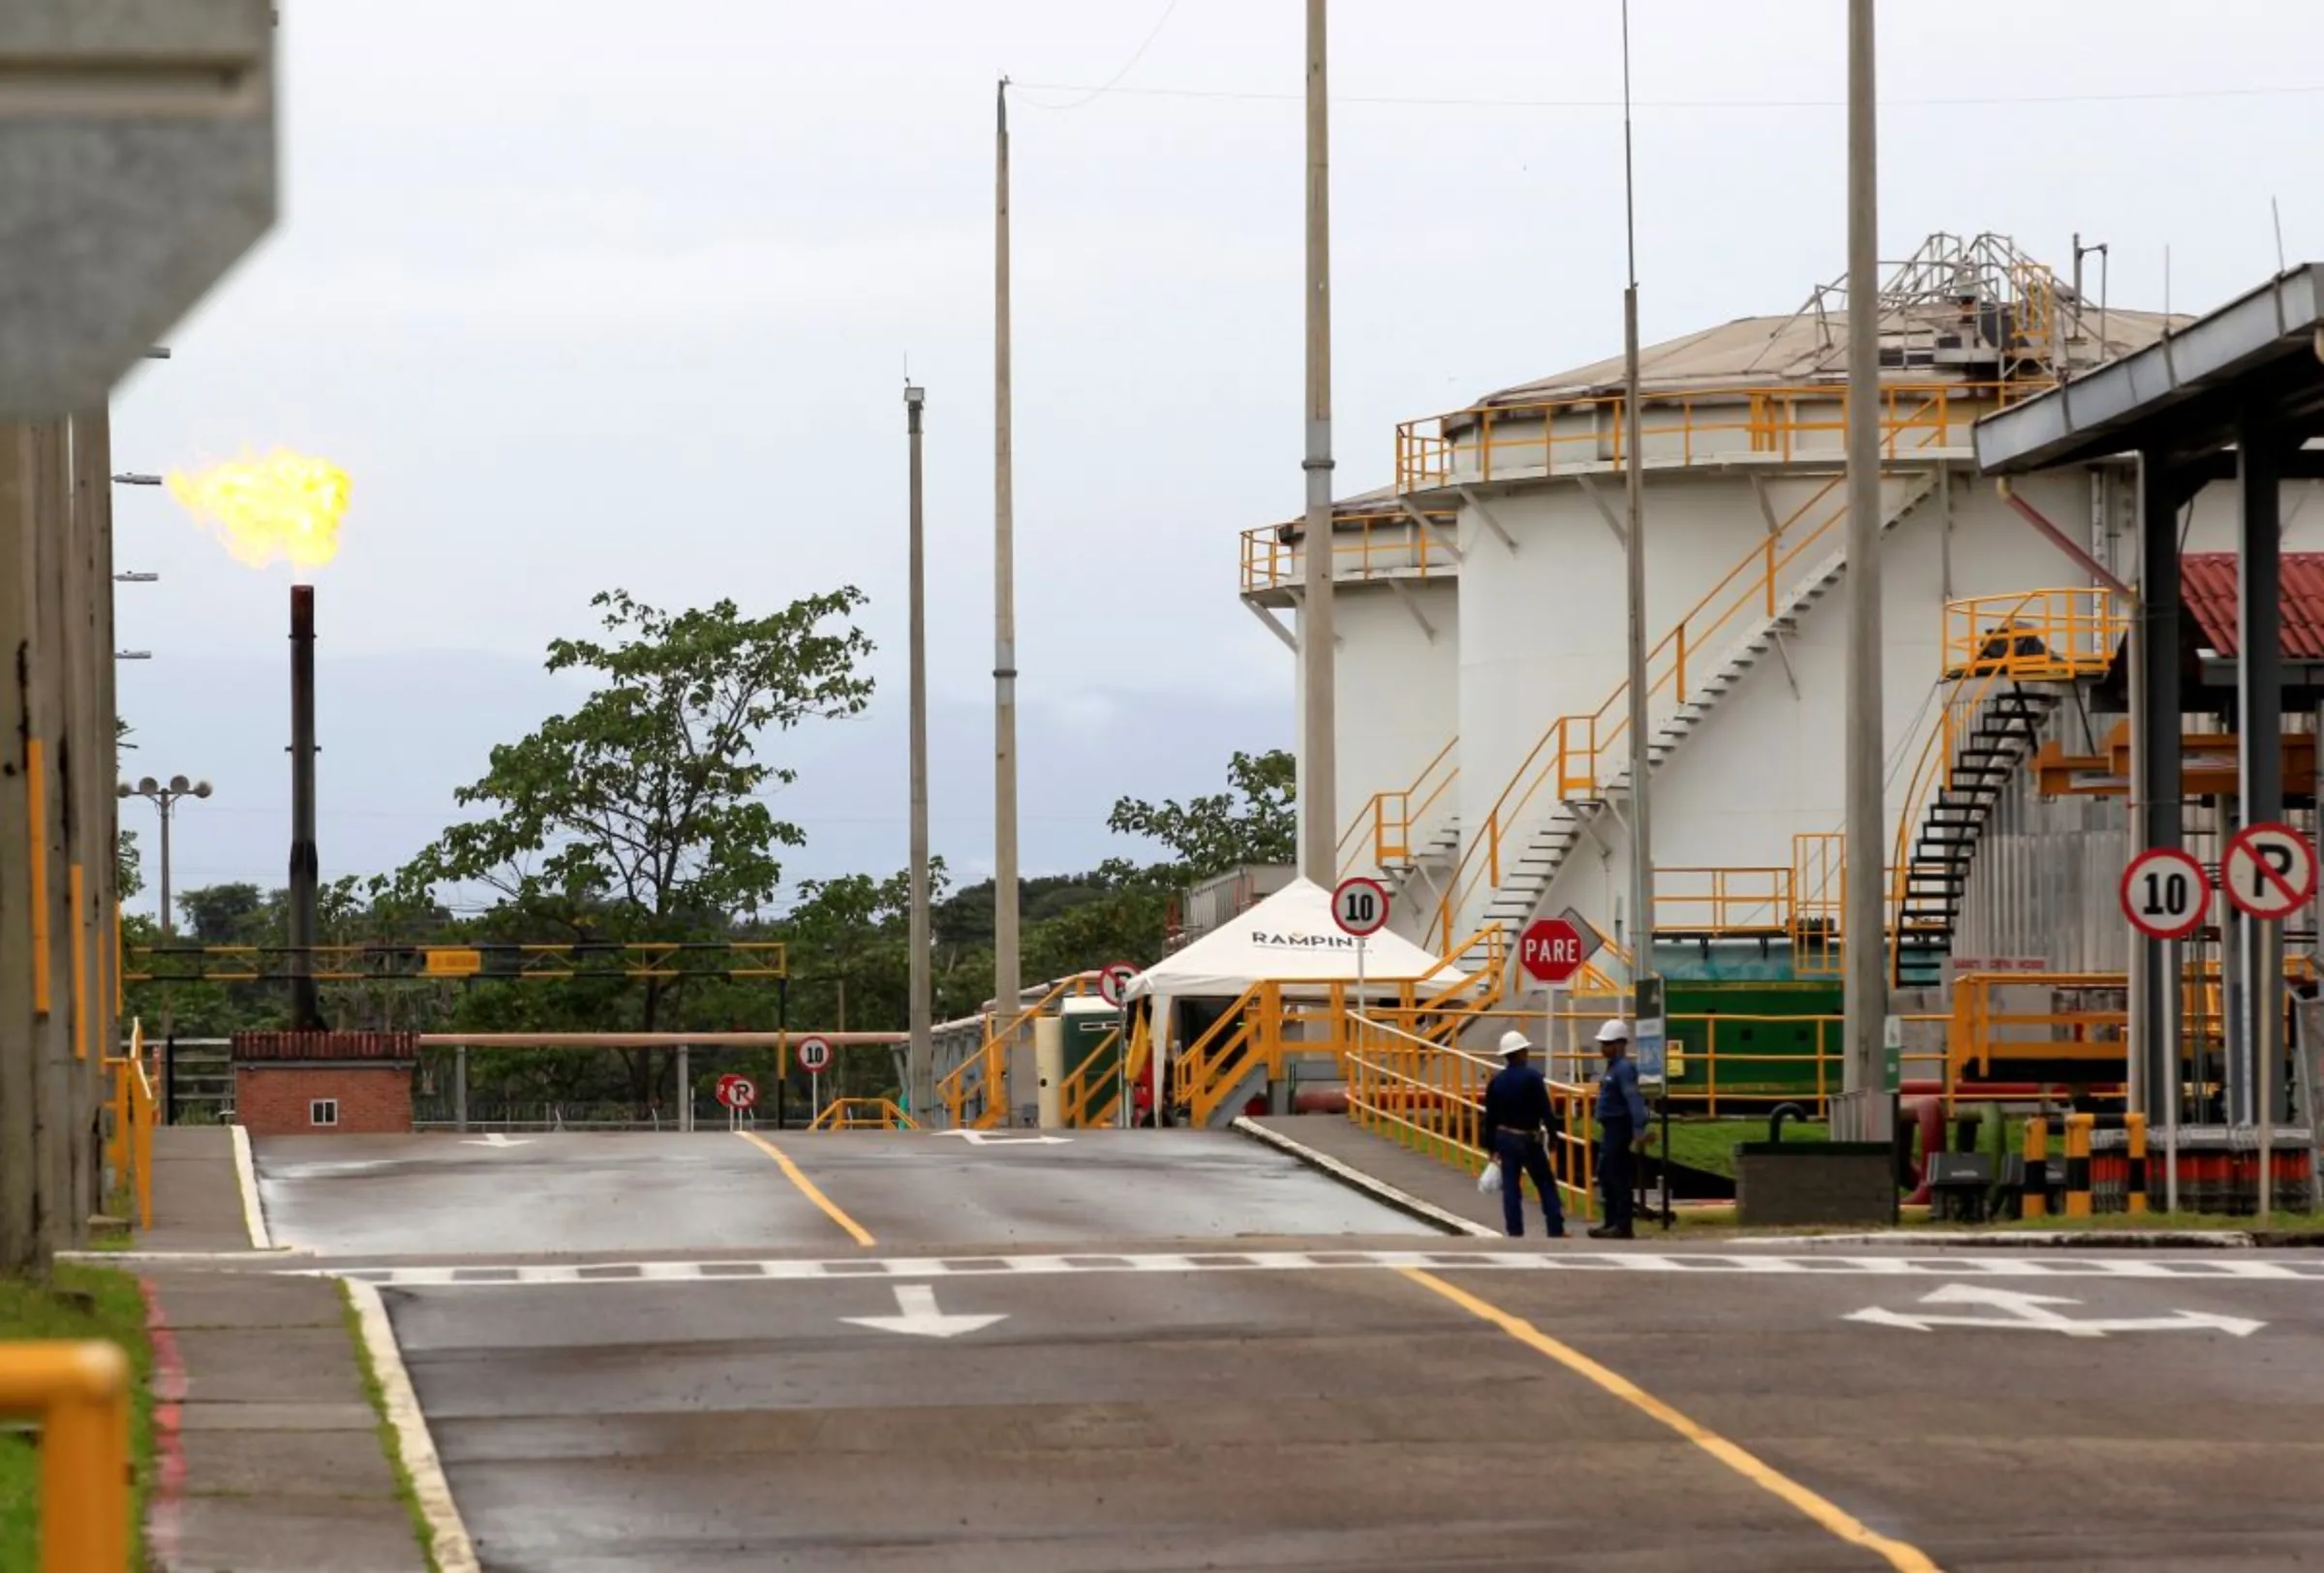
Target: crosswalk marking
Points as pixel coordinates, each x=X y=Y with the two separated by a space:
x=515 y=1274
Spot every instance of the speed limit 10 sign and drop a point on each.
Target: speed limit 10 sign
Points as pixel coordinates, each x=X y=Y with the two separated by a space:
x=2166 y=893
x=1359 y=907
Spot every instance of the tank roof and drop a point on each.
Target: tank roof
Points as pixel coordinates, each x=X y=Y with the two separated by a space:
x=1971 y=311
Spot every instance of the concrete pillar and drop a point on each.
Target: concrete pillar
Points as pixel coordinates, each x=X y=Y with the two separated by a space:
x=21 y=1244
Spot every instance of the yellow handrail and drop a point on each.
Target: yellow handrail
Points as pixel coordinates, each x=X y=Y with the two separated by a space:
x=129 y=1144
x=1568 y=752
x=862 y=1113
x=1586 y=433
x=1431 y=1097
x=80 y=1393
x=1394 y=807
x=2026 y=636
x=1081 y=1088
x=1388 y=542
x=989 y=1060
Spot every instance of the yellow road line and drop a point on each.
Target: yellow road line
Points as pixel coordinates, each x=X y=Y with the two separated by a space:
x=1832 y=1517
x=808 y=1188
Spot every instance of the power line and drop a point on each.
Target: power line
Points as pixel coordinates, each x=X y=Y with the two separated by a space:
x=1411 y=100
x=1114 y=80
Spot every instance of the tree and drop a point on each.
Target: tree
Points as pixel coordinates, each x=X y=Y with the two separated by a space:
x=642 y=814
x=128 y=866
x=1252 y=822
x=647 y=801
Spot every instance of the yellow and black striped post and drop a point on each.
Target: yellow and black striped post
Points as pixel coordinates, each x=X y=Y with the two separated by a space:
x=2038 y=1168
x=2078 y=1127
x=2135 y=1131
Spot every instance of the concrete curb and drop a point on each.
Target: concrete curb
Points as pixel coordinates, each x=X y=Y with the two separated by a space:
x=254 y=1211
x=180 y=1258
x=453 y=1549
x=1378 y=1189
x=2016 y=1239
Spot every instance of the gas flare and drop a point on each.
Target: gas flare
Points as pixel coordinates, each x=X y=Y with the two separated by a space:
x=283 y=507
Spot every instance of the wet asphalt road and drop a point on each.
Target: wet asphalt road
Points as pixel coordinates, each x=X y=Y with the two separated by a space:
x=1336 y=1406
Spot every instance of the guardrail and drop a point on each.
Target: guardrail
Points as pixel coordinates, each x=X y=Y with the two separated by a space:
x=1386 y=544
x=862 y=1113
x=1431 y=1097
x=133 y=1112
x=80 y=1394
x=1586 y=434
x=985 y=1072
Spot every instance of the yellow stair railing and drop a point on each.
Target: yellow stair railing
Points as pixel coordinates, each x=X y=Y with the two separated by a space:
x=985 y=1072
x=80 y=1394
x=1567 y=757
x=1088 y=1095
x=2021 y=636
x=1392 y=816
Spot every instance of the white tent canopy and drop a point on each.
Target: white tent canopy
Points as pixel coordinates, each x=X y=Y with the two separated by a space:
x=1289 y=937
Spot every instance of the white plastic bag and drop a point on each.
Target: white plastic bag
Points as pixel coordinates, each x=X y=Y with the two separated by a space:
x=1490 y=1181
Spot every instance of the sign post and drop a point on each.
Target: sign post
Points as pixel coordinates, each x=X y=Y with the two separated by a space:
x=2269 y=872
x=1359 y=907
x=738 y=1093
x=1550 y=951
x=1113 y=988
x=814 y=1054
x=2166 y=895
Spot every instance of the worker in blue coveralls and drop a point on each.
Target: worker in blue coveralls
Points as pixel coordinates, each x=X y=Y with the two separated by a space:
x=1621 y=1126
x=1517 y=1115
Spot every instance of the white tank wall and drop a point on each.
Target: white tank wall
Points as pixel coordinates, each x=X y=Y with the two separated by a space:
x=1396 y=686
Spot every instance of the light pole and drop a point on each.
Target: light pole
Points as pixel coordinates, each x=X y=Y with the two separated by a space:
x=920 y=1064
x=165 y=796
x=1863 y=921
x=1319 y=765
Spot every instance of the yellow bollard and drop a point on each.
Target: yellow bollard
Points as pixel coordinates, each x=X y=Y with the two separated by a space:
x=2078 y=1127
x=2038 y=1168
x=2135 y=1128
x=81 y=1393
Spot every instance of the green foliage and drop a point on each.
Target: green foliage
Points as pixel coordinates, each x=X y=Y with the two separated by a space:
x=1254 y=820
x=81 y=1302
x=645 y=802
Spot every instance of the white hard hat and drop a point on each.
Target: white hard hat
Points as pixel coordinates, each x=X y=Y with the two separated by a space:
x=1514 y=1043
x=1617 y=1031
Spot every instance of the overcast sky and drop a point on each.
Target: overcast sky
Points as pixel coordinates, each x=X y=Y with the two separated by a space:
x=587 y=294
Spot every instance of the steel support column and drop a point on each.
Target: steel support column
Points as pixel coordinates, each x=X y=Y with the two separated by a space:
x=2259 y=681
x=2155 y=753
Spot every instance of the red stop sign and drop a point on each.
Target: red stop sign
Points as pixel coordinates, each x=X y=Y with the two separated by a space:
x=1550 y=949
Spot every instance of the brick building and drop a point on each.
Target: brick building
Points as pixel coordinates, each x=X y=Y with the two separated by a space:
x=320 y=1083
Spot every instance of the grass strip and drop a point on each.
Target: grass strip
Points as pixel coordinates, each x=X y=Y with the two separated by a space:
x=78 y=1303
x=390 y=1444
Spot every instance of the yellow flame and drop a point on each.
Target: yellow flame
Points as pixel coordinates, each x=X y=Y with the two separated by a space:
x=283 y=507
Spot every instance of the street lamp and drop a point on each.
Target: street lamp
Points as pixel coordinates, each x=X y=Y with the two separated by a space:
x=135 y=478
x=165 y=796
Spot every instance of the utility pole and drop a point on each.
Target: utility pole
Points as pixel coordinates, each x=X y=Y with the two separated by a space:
x=1007 y=986
x=1641 y=841
x=1319 y=765
x=920 y=1064
x=1862 y=1113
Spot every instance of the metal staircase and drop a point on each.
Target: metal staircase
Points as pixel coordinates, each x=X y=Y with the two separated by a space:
x=2000 y=736
x=1542 y=855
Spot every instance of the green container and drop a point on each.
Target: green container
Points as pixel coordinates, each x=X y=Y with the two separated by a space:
x=1800 y=1012
x=1086 y=1025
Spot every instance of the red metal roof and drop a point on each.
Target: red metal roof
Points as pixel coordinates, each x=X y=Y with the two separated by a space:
x=2207 y=581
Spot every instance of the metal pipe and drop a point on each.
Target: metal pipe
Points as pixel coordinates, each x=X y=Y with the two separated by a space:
x=1865 y=954
x=647 y=1040
x=305 y=1014
x=1319 y=763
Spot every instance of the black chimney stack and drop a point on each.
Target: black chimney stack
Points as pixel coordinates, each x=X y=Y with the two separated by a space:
x=305 y=1014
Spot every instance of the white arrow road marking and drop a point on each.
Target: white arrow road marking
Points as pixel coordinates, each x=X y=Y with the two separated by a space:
x=498 y=1139
x=2033 y=1311
x=991 y=1139
x=916 y=1304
